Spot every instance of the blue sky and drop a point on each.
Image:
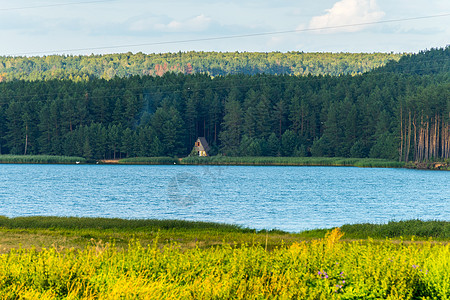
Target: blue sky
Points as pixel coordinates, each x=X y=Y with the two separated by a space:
x=48 y=27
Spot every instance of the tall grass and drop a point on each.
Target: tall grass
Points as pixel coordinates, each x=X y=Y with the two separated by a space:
x=319 y=269
x=40 y=159
x=394 y=229
x=149 y=160
x=293 y=161
x=406 y=229
x=215 y=160
x=77 y=232
x=44 y=222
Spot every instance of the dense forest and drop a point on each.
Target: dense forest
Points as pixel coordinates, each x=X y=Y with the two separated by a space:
x=400 y=111
x=80 y=68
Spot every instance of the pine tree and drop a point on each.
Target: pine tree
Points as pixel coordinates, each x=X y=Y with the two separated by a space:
x=15 y=136
x=273 y=145
x=127 y=145
x=230 y=136
x=289 y=143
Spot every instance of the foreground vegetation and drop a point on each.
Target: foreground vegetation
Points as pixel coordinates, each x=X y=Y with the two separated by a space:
x=241 y=265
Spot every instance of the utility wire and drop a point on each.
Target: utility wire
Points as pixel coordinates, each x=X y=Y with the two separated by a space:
x=54 y=5
x=235 y=36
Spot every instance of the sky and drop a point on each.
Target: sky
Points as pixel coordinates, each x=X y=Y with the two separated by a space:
x=29 y=28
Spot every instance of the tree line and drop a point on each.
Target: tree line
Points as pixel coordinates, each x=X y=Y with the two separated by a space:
x=82 y=68
x=388 y=114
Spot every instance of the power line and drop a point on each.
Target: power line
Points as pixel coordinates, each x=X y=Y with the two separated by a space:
x=235 y=36
x=53 y=5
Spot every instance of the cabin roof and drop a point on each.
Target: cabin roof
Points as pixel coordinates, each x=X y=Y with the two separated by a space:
x=203 y=144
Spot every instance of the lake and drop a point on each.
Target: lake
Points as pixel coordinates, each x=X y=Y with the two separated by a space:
x=286 y=198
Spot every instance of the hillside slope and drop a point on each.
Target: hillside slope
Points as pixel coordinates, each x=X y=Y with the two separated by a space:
x=431 y=62
x=212 y=63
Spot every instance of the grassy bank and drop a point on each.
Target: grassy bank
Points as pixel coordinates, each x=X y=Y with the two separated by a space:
x=406 y=229
x=40 y=159
x=225 y=160
x=292 y=161
x=149 y=161
x=79 y=232
x=159 y=262
x=43 y=232
x=266 y=161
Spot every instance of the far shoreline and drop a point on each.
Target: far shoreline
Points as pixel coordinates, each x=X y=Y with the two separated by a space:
x=230 y=161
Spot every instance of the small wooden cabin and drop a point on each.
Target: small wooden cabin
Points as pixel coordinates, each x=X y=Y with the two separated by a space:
x=201 y=146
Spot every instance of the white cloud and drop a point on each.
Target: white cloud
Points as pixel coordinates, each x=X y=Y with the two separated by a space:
x=195 y=24
x=346 y=12
x=277 y=41
x=300 y=27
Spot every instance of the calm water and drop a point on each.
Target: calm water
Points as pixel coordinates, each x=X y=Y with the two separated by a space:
x=287 y=198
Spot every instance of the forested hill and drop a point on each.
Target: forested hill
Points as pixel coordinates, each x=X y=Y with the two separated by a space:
x=380 y=114
x=435 y=61
x=212 y=63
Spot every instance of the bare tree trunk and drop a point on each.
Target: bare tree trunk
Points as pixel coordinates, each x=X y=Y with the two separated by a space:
x=427 y=141
x=446 y=141
x=415 y=139
x=447 y=148
x=215 y=132
x=400 y=158
x=436 y=137
x=408 y=145
x=431 y=143
x=421 y=141
x=442 y=138
x=26 y=144
x=26 y=139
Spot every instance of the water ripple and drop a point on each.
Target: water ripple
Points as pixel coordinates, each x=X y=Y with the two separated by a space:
x=287 y=198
